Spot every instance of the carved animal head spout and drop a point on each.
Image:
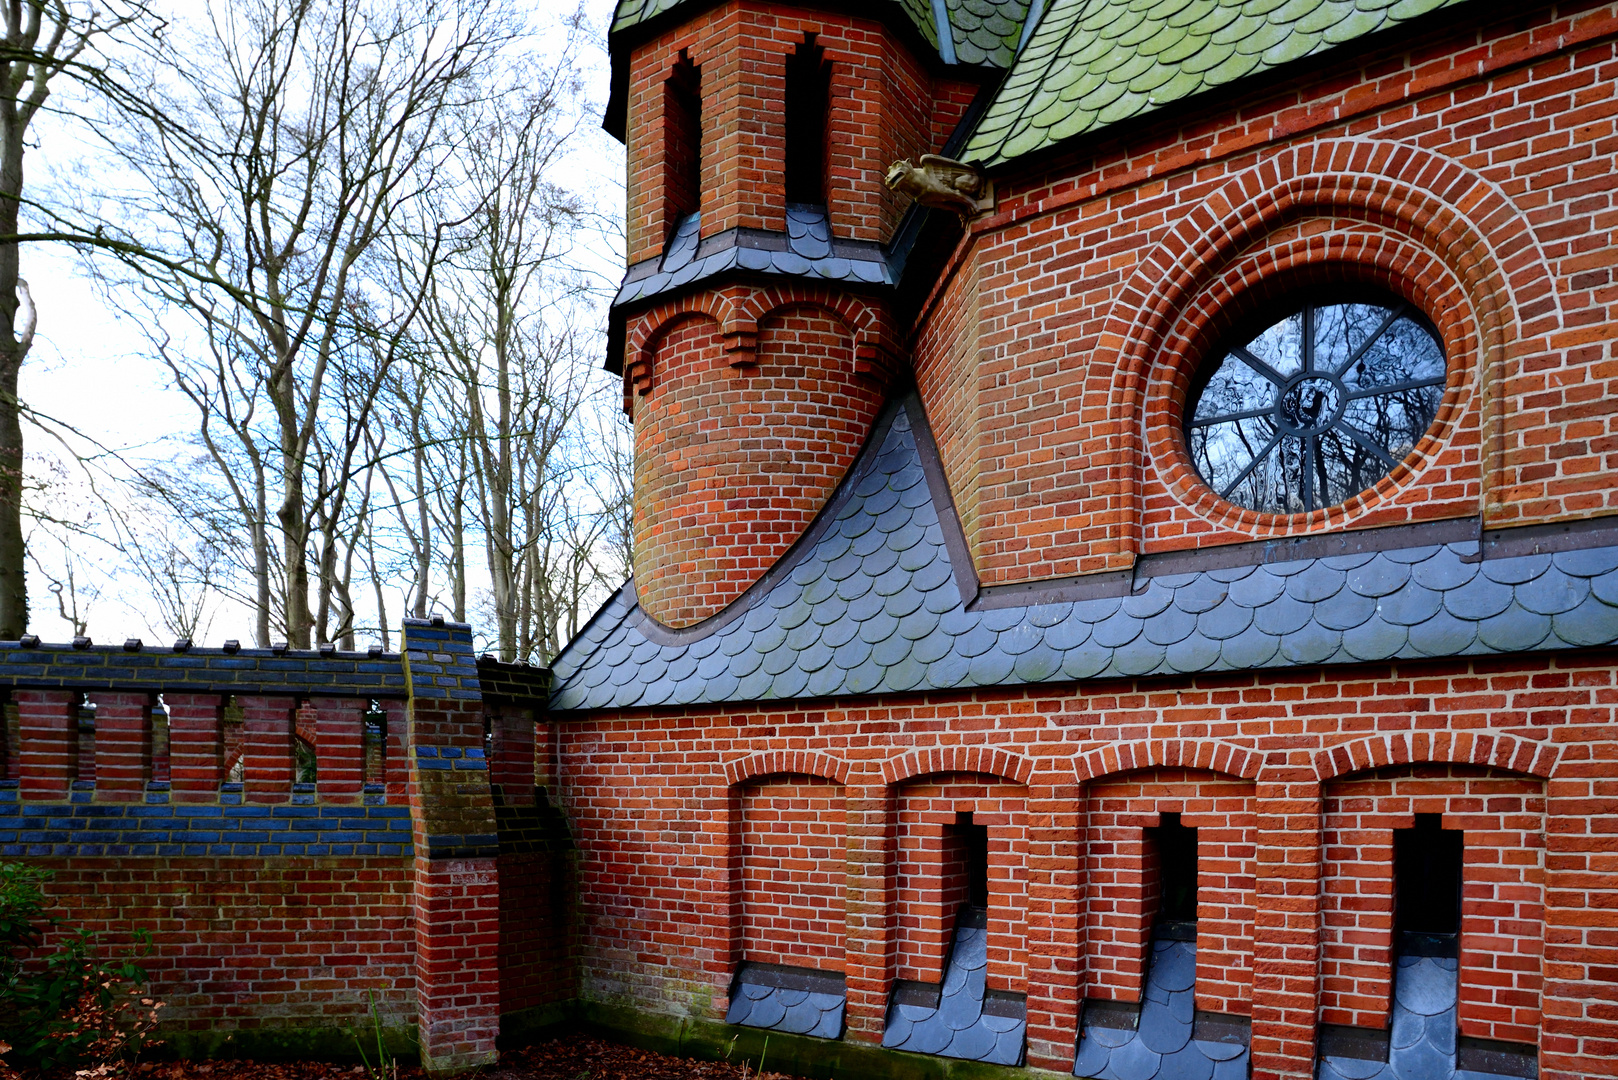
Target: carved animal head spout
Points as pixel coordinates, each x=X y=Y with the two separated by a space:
x=942 y=183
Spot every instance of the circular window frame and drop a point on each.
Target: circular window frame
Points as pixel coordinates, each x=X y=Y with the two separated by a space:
x=1347 y=259
x=1327 y=391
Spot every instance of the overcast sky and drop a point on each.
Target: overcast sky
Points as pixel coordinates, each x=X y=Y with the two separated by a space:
x=87 y=368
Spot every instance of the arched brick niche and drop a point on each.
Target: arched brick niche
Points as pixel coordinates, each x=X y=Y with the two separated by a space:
x=737 y=449
x=1120 y=880
x=930 y=873
x=1502 y=817
x=789 y=859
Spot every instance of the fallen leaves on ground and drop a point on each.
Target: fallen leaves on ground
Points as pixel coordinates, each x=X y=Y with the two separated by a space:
x=571 y=1058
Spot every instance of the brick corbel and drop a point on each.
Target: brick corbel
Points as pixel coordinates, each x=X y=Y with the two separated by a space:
x=741 y=346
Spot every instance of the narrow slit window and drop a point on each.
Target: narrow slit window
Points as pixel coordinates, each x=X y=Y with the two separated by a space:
x=1427 y=878
x=1175 y=846
x=808 y=93
x=970 y=843
x=682 y=141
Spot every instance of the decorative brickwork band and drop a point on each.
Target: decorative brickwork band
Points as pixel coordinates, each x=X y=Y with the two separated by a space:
x=983 y=760
x=1210 y=754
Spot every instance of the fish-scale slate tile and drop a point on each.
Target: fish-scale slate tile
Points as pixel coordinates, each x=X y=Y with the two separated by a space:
x=986 y=31
x=1090 y=64
x=1422 y=1038
x=1167 y=1040
x=868 y=602
x=806 y=249
x=799 y=1001
x=965 y=1021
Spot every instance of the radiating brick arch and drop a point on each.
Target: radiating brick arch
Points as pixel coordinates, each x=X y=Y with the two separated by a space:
x=778 y=762
x=1459 y=215
x=1211 y=754
x=1498 y=751
x=957 y=759
x=865 y=321
x=647 y=330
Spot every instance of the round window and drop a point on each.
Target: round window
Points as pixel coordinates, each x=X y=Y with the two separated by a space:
x=1317 y=407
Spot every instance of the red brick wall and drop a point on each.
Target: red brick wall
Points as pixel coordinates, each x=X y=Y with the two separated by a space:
x=1472 y=178
x=1502 y=904
x=884 y=106
x=931 y=871
x=733 y=463
x=648 y=796
x=1121 y=893
x=291 y=942
x=794 y=856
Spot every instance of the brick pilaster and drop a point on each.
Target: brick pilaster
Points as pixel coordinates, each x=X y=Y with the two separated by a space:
x=872 y=921
x=195 y=758
x=123 y=745
x=47 y=758
x=457 y=896
x=1286 y=945
x=339 y=748
x=267 y=748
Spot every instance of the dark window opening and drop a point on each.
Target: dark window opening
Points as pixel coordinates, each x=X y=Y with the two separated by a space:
x=969 y=844
x=1315 y=404
x=682 y=141
x=1175 y=849
x=808 y=92
x=1427 y=878
x=376 y=728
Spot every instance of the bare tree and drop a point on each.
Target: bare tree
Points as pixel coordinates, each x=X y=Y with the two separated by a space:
x=512 y=328
x=43 y=38
x=288 y=136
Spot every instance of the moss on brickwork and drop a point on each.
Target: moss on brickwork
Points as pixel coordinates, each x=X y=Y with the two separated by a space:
x=819 y=1059
x=336 y=1043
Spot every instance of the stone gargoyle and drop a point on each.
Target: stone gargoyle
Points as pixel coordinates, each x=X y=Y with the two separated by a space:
x=941 y=183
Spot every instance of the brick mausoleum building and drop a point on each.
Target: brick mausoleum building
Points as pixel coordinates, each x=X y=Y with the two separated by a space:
x=1130 y=590
x=1149 y=614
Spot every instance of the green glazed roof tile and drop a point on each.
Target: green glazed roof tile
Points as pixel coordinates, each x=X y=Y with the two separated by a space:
x=1108 y=61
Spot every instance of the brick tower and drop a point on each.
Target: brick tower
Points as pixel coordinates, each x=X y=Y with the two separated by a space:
x=758 y=327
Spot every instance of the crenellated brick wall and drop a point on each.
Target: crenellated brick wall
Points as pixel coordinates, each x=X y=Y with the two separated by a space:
x=277 y=908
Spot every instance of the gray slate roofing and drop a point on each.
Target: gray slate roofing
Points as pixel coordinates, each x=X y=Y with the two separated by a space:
x=1421 y=1042
x=800 y=1001
x=1093 y=64
x=871 y=600
x=1168 y=1041
x=981 y=32
x=806 y=249
x=965 y=1021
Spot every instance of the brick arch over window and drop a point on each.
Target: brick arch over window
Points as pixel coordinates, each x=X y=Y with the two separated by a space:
x=648 y=330
x=1499 y=751
x=865 y=323
x=1211 y=754
x=982 y=760
x=1463 y=218
x=786 y=762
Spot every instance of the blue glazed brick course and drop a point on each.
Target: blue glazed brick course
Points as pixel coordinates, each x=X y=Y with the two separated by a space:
x=60 y=830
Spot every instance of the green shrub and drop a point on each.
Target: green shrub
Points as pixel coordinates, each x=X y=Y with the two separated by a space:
x=70 y=1008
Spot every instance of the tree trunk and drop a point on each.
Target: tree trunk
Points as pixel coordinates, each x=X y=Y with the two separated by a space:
x=13 y=584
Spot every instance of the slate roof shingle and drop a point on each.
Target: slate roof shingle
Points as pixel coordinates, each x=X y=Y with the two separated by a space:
x=1090 y=64
x=868 y=602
